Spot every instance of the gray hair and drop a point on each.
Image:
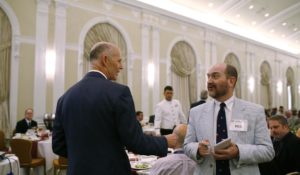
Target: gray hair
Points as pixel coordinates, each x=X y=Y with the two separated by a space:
x=203 y=95
x=99 y=48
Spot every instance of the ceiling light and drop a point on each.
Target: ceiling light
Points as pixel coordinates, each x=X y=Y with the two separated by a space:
x=272 y=30
x=237 y=15
x=267 y=14
x=253 y=22
x=295 y=29
x=284 y=23
x=283 y=35
x=297 y=41
x=251 y=7
x=218 y=22
x=210 y=4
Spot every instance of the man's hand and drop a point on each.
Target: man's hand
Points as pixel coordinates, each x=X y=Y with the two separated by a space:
x=228 y=153
x=172 y=140
x=204 y=148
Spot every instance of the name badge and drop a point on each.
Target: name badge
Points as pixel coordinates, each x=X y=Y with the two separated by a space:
x=238 y=125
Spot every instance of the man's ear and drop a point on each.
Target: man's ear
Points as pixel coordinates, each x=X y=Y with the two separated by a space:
x=104 y=60
x=232 y=81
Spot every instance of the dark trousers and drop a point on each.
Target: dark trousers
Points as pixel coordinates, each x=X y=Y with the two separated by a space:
x=166 y=131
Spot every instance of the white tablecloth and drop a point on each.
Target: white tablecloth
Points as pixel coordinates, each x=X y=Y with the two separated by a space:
x=45 y=150
x=5 y=167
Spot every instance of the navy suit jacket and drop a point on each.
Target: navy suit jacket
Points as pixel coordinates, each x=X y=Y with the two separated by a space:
x=95 y=120
x=197 y=103
x=22 y=126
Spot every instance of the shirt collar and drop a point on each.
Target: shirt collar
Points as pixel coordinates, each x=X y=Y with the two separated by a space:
x=98 y=72
x=228 y=102
x=178 y=151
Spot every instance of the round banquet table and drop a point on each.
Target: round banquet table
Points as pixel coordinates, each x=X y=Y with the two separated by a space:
x=15 y=165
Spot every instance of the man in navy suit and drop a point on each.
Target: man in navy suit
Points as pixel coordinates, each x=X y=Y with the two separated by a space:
x=203 y=97
x=26 y=123
x=95 y=121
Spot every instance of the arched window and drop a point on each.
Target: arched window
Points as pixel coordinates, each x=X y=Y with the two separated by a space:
x=290 y=88
x=5 y=55
x=233 y=60
x=108 y=33
x=265 y=80
x=183 y=74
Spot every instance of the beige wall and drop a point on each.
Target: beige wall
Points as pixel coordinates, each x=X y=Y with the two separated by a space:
x=26 y=76
x=130 y=21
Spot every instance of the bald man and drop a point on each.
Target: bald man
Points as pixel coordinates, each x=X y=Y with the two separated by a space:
x=227 y=117
x=177 y=163
x=95 y=120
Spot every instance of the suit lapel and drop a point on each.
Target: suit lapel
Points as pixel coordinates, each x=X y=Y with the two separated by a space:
x=208 y=121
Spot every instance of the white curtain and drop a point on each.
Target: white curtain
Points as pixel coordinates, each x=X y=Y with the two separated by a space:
x=290 y=82
x=5 y=52
x=266 y=94
x=183 y=74
x=108 y=33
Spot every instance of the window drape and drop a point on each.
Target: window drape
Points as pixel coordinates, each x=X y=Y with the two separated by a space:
x=233 y=60
x=290 y=82
x=183 y=74
x=5 y=53
x=266 y=94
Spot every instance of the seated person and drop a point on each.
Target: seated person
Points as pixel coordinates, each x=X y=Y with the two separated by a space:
x=26 y=123
x=140 y=117
x=177 y=163
x=286 y=146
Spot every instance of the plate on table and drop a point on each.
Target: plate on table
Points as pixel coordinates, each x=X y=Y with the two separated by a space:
x=140 y=165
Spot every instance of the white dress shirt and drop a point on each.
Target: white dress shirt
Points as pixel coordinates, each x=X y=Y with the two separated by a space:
x=173 y=164
x=168 y=114
x=228 y=112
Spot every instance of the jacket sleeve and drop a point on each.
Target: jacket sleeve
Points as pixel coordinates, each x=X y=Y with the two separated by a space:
x=262 y=148
x=59 y=145
x=130 y=131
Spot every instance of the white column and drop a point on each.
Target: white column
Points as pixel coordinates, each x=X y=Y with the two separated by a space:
x=155 y=53
x=278 y=99
x=41 y=41
x=59 y=47
x=249 y=73
x=145 y=58
x=297 y=93
x=130 y=58
x=207 y=54
x=14 y=76
x=213 y=53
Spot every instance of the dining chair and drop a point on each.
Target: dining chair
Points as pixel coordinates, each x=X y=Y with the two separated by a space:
x=60 y=164
x=22 y=149
x=2 y=141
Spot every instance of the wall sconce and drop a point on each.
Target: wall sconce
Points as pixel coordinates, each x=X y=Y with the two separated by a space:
x=279 y=87
x=150 y=74
x=50 y=64
x=251 y=84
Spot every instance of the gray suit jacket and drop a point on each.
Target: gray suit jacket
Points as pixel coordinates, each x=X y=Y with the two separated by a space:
x=254 y=145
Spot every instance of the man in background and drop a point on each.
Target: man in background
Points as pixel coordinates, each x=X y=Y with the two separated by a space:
x=95 y=120
x=26 y=123
x=203 y=97
x=286 y=146
x=140 y=117
x=177 y=163
x=168 y=113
